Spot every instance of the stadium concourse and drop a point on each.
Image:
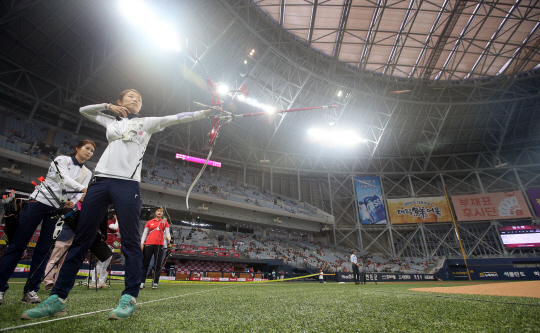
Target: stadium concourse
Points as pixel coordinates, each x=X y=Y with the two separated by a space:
x=404 y=131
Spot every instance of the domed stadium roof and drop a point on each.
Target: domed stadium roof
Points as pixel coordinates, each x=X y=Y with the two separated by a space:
x=418 y=81
x=433 y=40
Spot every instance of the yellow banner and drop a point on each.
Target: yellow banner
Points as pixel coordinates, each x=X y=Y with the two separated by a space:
x=419 y=210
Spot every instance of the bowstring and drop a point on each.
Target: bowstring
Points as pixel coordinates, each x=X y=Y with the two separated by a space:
x=213 y=141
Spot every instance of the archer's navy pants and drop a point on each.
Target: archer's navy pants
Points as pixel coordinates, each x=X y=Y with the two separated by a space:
x=125 y=195
x=29 y=219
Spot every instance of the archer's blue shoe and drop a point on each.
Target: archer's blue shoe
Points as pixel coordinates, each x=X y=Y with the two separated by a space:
x=125 y=308
x=52 y=306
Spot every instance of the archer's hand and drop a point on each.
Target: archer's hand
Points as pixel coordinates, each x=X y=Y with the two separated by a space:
x=119 y=110
x=69 y=204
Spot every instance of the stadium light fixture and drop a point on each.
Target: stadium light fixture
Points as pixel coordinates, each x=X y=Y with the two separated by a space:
x=223 y=89
x=335 y=137
x=141 y=15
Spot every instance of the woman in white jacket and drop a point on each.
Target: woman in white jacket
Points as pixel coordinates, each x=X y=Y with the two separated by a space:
x=42 y=206
x=117 y=178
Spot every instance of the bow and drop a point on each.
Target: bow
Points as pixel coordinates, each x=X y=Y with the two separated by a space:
x=216 y=105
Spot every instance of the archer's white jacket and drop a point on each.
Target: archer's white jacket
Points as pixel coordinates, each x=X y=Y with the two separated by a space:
x=128 y=139
x=70 y=170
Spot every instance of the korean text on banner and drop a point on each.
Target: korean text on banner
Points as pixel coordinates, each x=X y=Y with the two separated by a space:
x=490 y=206
x=370 y=203
x=418 y=210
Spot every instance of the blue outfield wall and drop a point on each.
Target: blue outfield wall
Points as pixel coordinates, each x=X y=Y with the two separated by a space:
x=490 y=269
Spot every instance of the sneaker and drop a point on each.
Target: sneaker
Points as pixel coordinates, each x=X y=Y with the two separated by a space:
x=31 y=297
x=154 y=286
x=49 y=286
x=52 y=306
x=2 y=297
x=142 y=286
x=103 y=285
x=125 y=308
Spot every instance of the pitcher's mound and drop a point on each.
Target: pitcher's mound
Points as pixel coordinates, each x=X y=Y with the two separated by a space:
x=516 y=289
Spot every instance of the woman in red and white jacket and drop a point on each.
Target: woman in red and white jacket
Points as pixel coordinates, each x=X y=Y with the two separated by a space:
x=154 y=238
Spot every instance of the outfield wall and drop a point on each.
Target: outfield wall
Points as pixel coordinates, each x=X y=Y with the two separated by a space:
x=491 y=269
x=384 y=277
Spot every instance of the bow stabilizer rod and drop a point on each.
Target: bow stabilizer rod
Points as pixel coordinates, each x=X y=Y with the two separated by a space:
x=231 y=116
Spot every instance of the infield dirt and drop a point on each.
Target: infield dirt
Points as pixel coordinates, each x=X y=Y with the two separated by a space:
x=516 y=289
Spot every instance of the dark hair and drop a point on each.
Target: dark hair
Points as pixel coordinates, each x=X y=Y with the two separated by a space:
x=82 y=144
x=123 y=93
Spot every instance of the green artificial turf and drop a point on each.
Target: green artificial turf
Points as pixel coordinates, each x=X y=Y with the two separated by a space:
x=286 y=307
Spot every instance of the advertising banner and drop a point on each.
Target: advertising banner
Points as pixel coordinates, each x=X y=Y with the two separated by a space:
x=219 y=249
x=223 y=254
x=206 y=253
x=370 y=204
x=185 y=246
x=490 y=206
x=189 y=252
x=203 y=248
x=534 y=197
x=418 y=210
x=236 y=255
x=386 y=277
x=225 y=279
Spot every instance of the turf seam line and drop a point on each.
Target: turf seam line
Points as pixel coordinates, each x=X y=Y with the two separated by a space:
x=453 y=297
x=99 y=311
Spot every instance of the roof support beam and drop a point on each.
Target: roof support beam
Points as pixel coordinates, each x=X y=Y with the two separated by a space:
x=282 y=13
x=340 y=34
x=16 y=10
x=505 y=130
x=285 y=114
x=434 y=142
x=486 y=49
x=399 y=37
x=443 y=38
x=373 y=27
x=460 y=38
x=428 y=39
x=520 y=64
x=312 y=23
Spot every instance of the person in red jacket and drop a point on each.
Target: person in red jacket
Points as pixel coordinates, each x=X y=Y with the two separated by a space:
x=155 y=237
x=113 y=230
